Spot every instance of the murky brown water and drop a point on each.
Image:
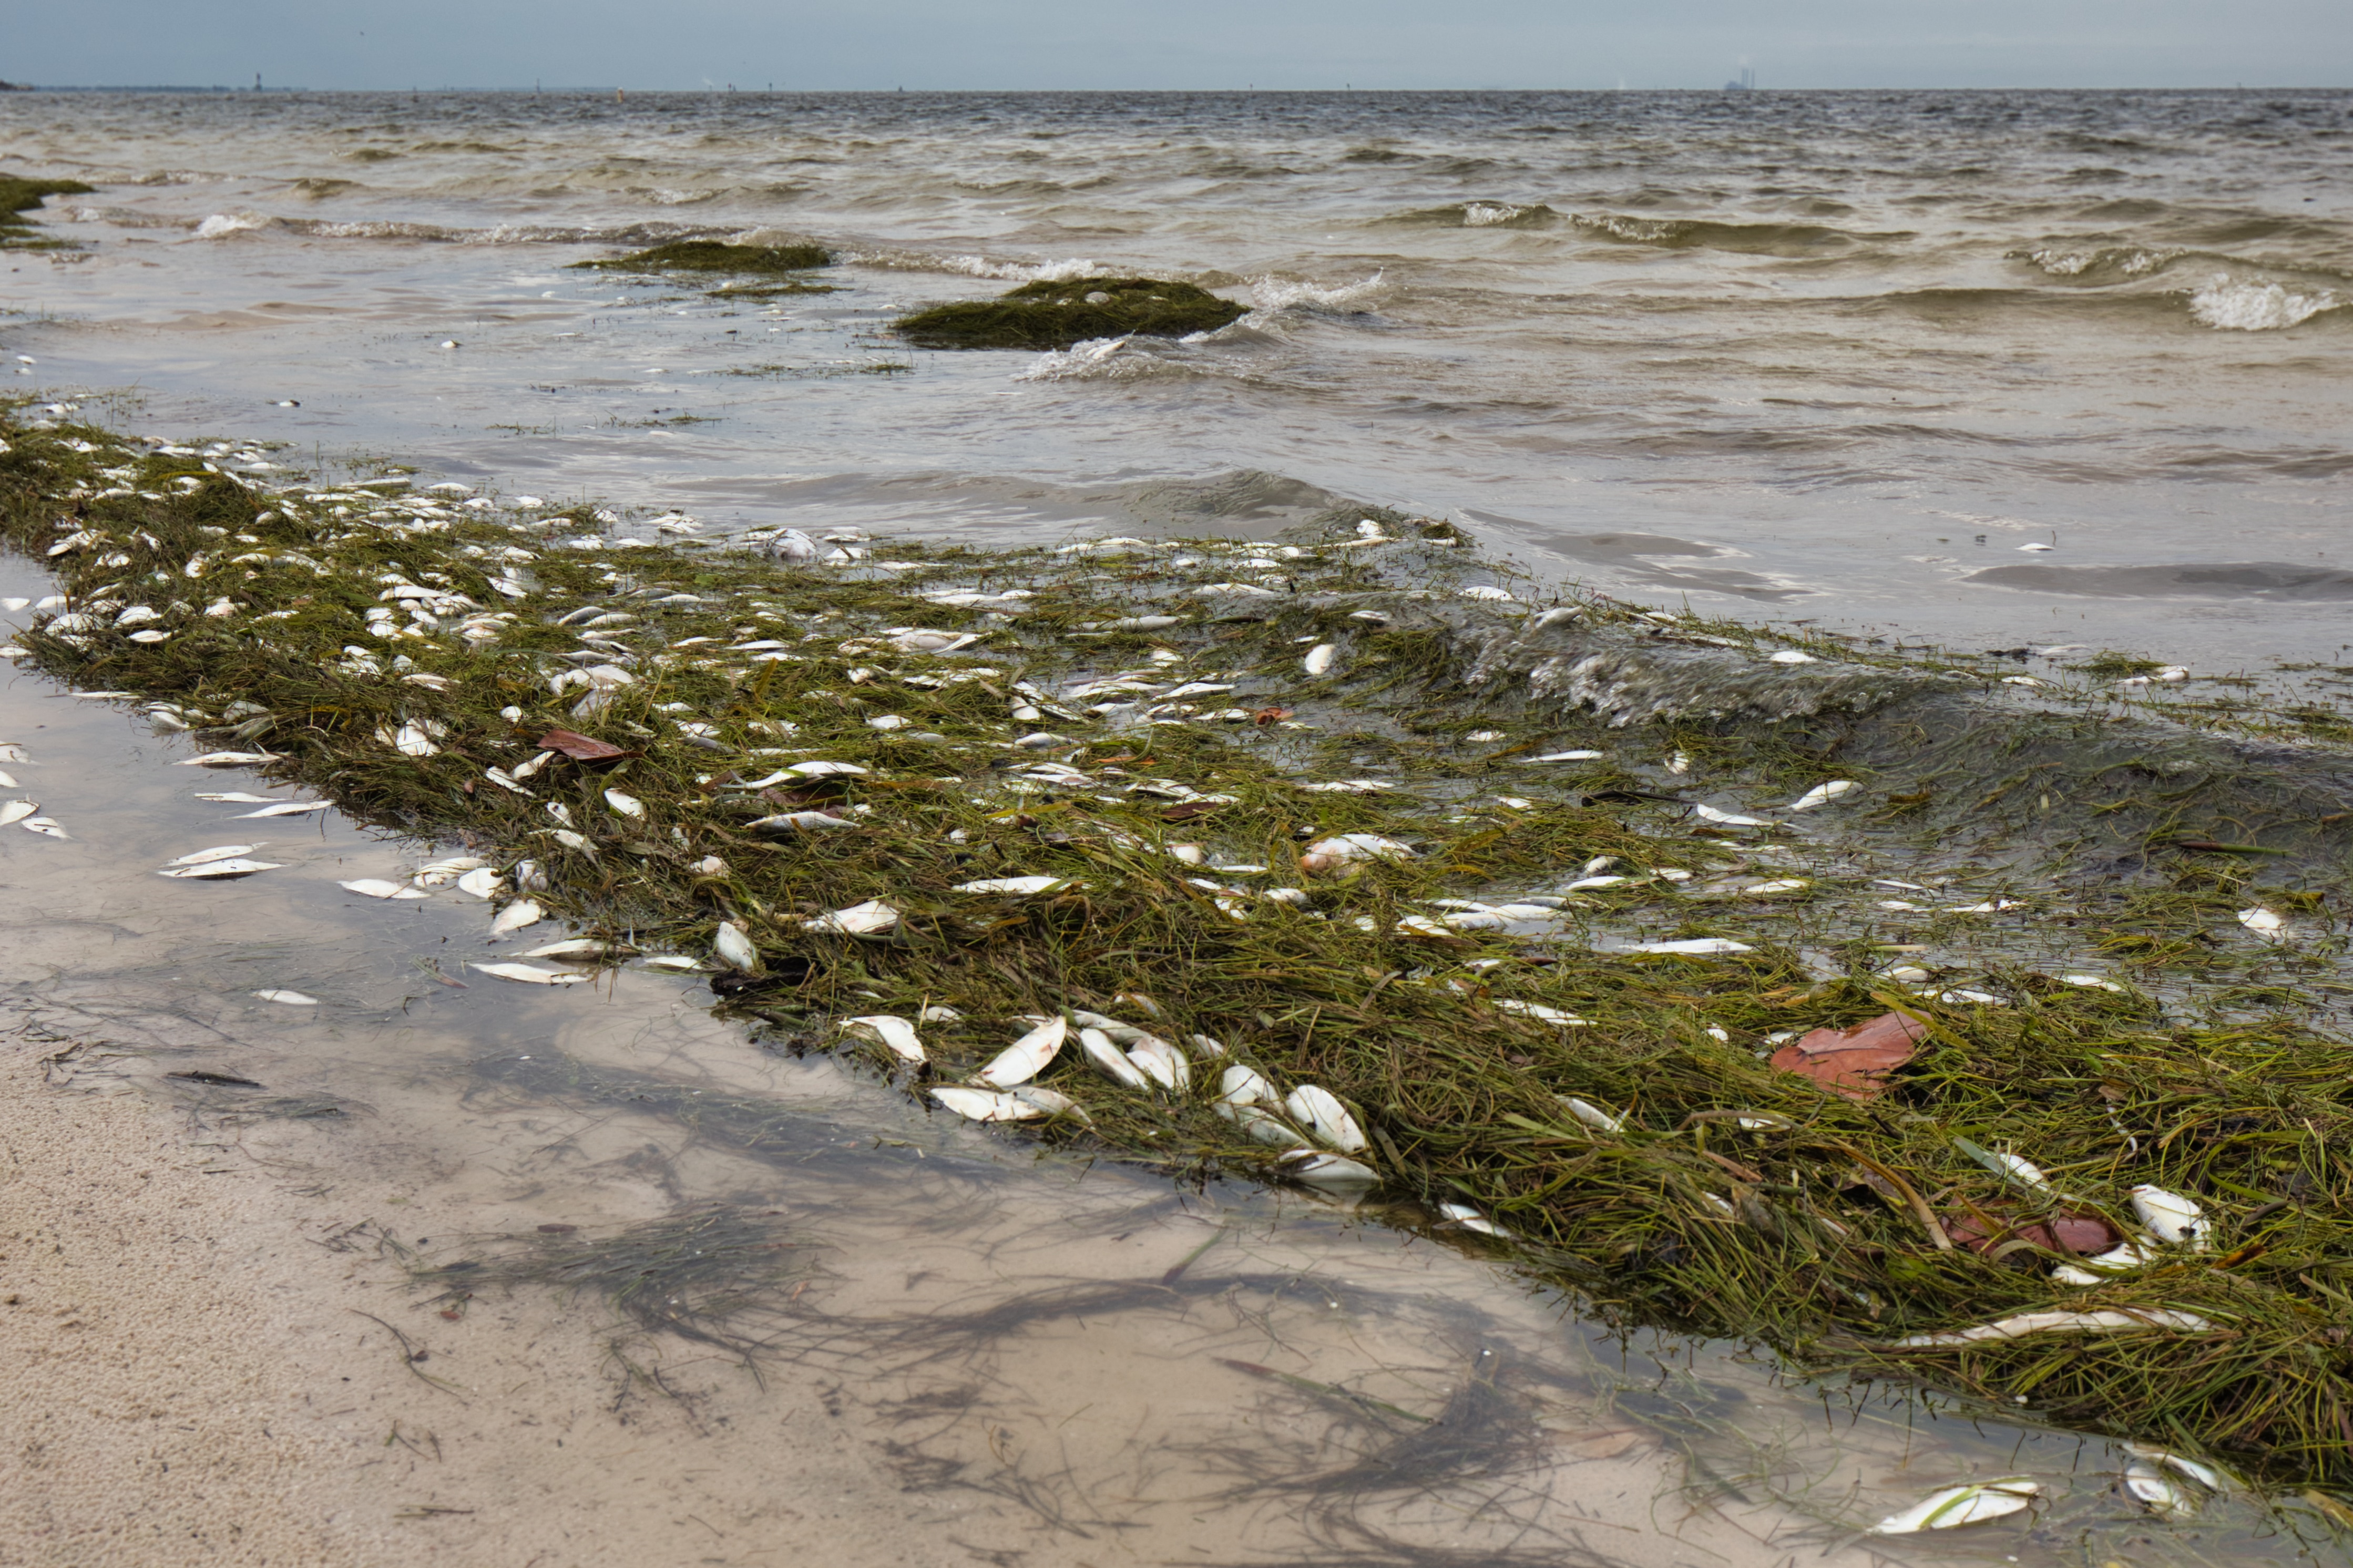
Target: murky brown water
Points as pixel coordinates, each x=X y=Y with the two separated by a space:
x=851 y=1331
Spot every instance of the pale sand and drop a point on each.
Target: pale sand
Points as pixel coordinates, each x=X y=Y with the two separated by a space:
x=188 y=1382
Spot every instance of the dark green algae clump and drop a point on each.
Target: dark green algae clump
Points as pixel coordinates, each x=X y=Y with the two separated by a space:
x=1055 y=315
x=18 y=196
x=1133 y=725
x=770 y=269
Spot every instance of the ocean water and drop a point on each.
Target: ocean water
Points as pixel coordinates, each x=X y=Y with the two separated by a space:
x=1839 y=358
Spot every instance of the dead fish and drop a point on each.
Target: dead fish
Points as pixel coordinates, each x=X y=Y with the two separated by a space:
x=872 y=918
x=627 y=804
x=1957 y=1506
x=573 y=947
x=1570 y=757
x=895 y=1032
x=219 y=852
x=1462 y=1217
x=1726 y=819
x=377 y=887
x=482 y=882
x=513 y=918
x=1592 y=1115
x=239 y=797
x=227 y=760
x=734 y=947
x=2009 y=1167
x=412 y=738
x=1110 y=1060
x=287 y=808
x=1537 y=1010
x=1692 y=947
x=1315 y=1169
x=798 y=822
x=525 y=974
x=2170 y=1216
x=17 y=810
x=981 y=1105
x=1330 y=854
x=1163 y=1063
x=1319 y=658
x=1820 y=794
x=291 y=998
x=673 y=961
x=1026 y=1057
x=1319 y=1111
x=2266 y=924
x=1243 y=1085
x=2025 y=1323
x=221 y=870
x=47 y=827
x=819 y=769
x=1015 y=886
x=572 y=840
x=506 y=781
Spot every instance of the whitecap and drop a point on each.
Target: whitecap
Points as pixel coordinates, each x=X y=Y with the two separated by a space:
x=2231 y=306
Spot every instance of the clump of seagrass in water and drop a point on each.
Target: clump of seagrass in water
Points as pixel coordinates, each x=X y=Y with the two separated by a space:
x=1055 y=315
x=1335 y=859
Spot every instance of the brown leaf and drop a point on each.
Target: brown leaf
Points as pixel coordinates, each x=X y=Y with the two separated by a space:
x=2082 y=1235
x=581 y=748
x=1854 y=1062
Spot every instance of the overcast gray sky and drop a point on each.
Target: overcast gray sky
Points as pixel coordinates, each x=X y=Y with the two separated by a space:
x=868 y=44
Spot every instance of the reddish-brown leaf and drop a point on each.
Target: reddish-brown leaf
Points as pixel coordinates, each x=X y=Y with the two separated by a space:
x=581 y=748
x=1854 y=1062
x=2083 y=1235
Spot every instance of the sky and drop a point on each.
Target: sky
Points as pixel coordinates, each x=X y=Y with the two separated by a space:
x=868 y=45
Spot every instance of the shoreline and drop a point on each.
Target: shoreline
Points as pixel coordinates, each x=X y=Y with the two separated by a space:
x=1450 y=1091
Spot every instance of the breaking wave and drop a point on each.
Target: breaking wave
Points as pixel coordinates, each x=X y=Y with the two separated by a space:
x=2231 y=306
x=980 y=266
x=1480 y=214
x=1744 y=238
x=1271 y=294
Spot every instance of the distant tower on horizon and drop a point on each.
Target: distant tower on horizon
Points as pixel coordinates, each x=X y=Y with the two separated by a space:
x=1747 y=82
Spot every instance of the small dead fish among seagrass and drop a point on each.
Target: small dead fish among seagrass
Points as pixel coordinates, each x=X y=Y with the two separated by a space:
x=1957 y=1506
x=291 y=998
x=1026 y=1057
x=17 y=810
x=1320 y=1112
x=377 y=887
x=986 y=1105
x=893 y=1031
x=515 y=917
x=526 y=974
x=223 y=870
x=287 y=808
x=734 y=947
x=227 y=760
x=872 y=918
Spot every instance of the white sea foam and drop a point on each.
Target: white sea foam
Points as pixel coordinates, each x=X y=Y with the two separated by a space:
x=2238 y=307
x=220 y=226
x=1492 y=214
x=1093 y=360
x=2130 y=259
x=1288 y=294
x=981 y=265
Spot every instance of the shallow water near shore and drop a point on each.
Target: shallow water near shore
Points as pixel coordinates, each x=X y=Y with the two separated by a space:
x=1017 y=1357
x=1850 y=358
